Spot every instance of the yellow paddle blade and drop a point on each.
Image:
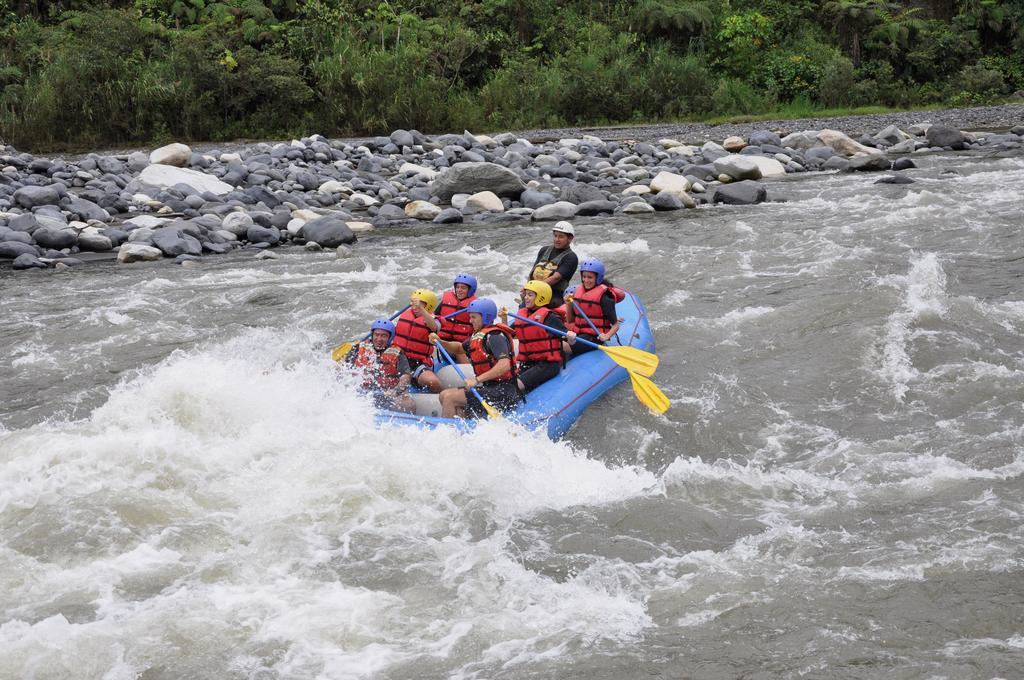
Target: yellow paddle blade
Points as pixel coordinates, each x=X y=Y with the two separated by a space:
x=649 y=394
x=341 y=350
x=633 y=359
x=494 y=413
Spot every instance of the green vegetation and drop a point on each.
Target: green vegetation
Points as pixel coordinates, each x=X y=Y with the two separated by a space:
x=80 y=73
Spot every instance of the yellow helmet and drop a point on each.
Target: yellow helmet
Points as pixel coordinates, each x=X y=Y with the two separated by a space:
x=541 y=289
x=425 y=296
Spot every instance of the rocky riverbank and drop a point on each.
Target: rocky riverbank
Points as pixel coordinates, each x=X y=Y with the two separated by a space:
x=320 y=193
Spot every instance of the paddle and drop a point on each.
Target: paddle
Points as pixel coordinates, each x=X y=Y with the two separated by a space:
x=580 y=312
x=491 y=411
x=631 y=358
x=341 y=350
x=645 y=390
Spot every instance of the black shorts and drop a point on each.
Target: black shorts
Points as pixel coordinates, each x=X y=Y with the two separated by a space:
x=535 y=373
x=501 y=395
x=417 y=368
x=579 y=348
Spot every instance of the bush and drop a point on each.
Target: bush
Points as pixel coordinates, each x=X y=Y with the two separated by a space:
x=733 y=96
x=836 y=85
x=673 y=86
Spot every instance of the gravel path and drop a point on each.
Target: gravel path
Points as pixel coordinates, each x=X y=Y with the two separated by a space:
x=978 y=118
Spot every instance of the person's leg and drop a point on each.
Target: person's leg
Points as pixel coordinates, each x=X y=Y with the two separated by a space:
x=428 y=380
x=536 y=374
x=453 y=402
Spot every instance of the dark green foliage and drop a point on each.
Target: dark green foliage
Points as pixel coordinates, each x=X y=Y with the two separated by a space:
x=78 y=73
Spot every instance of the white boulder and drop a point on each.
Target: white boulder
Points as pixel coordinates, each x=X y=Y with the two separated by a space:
x=175 y=154
x=422 y=210
x=165 y=176
x=137 y=252
x=485 y=201
x=669 y=181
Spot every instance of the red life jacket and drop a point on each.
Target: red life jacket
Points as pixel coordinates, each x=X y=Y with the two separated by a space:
x=411 y=335
x=536 y=344
x=380 y=369
x=482 y=361
x=589 y=302
x=457 y=328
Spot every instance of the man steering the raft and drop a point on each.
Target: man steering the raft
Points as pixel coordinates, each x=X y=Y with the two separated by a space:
x=384 y=368
x=411 y=334
x=556 y=264
x=490 y=350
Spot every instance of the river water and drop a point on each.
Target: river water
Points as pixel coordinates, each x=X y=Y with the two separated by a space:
x=187 y=491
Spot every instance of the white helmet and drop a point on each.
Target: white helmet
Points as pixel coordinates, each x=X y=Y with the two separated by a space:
x=564 y=227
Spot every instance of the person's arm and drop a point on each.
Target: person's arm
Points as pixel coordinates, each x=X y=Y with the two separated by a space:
x=570 y=310
x=453 y=346
x=350 y=358
x=566 y=269
x=421 y=311
x=608 y=309
x=500 y=349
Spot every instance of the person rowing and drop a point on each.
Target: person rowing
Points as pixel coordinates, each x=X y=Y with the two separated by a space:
x=456 y=327
x=540 y=355
x=490 y=350
x=384 y=368
x=590 y=309
x=412 y=334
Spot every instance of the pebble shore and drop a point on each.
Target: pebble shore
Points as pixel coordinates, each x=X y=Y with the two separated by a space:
x=184 y=203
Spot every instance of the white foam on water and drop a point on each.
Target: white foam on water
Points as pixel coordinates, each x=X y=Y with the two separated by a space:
x=243 y=507
x=637 y=245
x=924 y=298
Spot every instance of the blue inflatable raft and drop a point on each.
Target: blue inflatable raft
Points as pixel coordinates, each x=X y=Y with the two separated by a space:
x=556 y=405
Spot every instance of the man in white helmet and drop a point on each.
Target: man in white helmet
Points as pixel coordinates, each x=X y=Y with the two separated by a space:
x=556 y=264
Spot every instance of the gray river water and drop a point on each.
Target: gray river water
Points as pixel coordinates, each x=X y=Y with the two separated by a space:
x=186 y=490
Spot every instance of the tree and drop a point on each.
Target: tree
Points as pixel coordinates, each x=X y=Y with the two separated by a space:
x=852 y=19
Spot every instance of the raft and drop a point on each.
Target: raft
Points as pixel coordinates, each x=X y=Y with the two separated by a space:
x=555 y=406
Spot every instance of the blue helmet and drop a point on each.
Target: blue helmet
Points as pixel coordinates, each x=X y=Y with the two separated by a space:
x=384 y=325
x=486 y=308
x=593 y=265
x=469 y=280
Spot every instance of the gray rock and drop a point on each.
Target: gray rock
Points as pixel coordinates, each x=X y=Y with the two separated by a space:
x=581 y=193
x=945 y=136
x=137 y=161
x=107 y=164
x=48 y=237
x=591 y=208
x=746 y=192
x=448 y=216
x=238 y=223
x=535 y=199
x=98 y=243
x=903 y=164
x=258 y=234
x=762 y=137
x=821 y=152
x=738 y=167
x=31 y=196
x=328 y=231
x=470 y=178
x=87 y=210
x=556 y=211
x=667 y=201
x=906 y=146
x=26 y=222
x=12 y=249
x=402 y=138
x=180 y=259
x=1018 y=130
x=173 y=241
x=895 y=179
x=137 y=252
x=27 y=261
x=872 y=163
x=836 y=163
x=16 y=236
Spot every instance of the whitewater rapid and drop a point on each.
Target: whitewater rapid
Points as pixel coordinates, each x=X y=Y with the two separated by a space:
x=189 y=490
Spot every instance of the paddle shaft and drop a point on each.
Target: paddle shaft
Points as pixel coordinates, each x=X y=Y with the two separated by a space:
x=586 y=318
x=538 y=324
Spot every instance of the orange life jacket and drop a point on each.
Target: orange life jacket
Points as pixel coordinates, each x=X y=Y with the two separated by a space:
x=457 y=328
x=536 y=344
x=380 y=369
x=482 y=360
x=411 y=335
